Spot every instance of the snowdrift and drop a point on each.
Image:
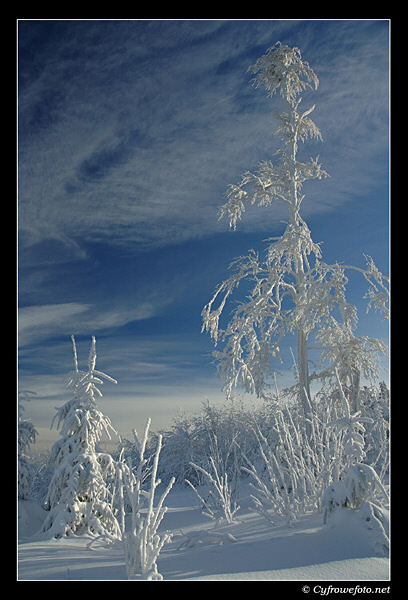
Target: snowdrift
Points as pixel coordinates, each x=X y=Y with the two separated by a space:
x=247 y=550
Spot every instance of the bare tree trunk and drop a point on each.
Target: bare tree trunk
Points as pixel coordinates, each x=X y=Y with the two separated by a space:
x=303 y=372
x=354 y=390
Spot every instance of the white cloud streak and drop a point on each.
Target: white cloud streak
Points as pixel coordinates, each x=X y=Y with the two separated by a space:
x=38 y=323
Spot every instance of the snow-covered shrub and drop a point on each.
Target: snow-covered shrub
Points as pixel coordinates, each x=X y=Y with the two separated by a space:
x=369 y=523
x=222 y=489
x=359 y=488
x=78 y=496
x=192 y=436
x=181 y=446
x=143 y=543
x=42 y=479
x=297 y=466
x=26 y=436
x=374 y=403
x=360 y=495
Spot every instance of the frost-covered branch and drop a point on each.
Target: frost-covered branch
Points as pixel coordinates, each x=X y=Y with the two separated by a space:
x=271 y=182
x=378 y=294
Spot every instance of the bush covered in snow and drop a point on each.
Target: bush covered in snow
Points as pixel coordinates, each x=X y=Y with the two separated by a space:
x=229 y=427
x=358 y=490
x=142 y=542
x=222 y=483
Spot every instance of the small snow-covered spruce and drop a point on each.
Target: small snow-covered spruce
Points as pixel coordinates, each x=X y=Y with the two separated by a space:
x=293 y=290
x=26 y=436
x=79 y=498
x=143 y=543
x=359 y=491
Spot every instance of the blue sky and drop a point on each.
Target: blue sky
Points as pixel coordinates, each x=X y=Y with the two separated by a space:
x=129 y=134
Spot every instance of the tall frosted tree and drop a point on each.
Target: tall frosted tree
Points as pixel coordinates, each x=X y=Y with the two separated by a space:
x=293 y=290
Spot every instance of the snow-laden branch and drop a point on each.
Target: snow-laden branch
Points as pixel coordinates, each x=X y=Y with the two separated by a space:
x=271 y=182
x=378 y=294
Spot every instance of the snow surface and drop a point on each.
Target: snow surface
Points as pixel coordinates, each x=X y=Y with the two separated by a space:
x=249 y=549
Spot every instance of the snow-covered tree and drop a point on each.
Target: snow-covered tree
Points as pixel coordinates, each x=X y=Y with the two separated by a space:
x=294 y=291
x=78 y=496
x=26 y=436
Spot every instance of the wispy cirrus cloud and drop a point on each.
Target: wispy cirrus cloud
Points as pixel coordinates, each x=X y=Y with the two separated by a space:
x=131 y=131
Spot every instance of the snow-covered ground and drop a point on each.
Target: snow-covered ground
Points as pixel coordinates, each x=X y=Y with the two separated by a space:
x=250 y=549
